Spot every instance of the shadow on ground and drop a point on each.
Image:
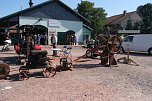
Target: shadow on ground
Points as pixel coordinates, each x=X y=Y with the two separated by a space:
x=15 y=77
x=88 y=66
x=138 y=54
x=12 y=60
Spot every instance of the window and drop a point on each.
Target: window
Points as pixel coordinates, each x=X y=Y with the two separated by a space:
x=128 y=39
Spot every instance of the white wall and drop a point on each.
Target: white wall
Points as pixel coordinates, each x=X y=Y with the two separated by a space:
x=59 y=26
x=68 y=25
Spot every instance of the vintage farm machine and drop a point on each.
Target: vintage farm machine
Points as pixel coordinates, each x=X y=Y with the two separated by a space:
x=35 y=59
x=111 y=45
x=105 y=46
x=66 y=59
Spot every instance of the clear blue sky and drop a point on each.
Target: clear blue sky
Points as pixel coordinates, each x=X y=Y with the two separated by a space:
x=112 y=7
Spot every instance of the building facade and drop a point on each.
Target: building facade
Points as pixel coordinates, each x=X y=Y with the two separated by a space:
x=123 y=18
x=52 y=16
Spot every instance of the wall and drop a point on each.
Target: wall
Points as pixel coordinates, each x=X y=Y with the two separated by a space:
x=134 y=17
x=55 y=26
x=86 y=32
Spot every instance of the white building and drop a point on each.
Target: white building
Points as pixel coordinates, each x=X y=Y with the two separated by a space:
x=52 y=16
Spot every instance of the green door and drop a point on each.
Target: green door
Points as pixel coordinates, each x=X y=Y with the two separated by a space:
x=62 y=38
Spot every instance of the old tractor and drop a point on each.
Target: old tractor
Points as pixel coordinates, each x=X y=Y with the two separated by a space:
x=35 y=59
x=105 y=46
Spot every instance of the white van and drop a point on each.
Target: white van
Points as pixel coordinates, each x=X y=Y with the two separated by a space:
x=138 y=42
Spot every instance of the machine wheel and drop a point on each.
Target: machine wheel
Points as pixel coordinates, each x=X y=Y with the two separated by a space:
x=23 y=73
x=66 y=63
x=150 y=51
x=49 y=72
x=122 y=50
x=4 y=71
x=114 y=44
x=89 y=54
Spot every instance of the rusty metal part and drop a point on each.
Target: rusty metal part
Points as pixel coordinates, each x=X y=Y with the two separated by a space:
x=23 y=73
x=127 y=60
x=112 y=47
x=4 y=70
x=114 y=44
x=49 y=72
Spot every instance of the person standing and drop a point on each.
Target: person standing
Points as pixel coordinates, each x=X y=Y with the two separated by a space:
x=42 y=39
x=75 y=40
x=7 y=44
x=54 y=42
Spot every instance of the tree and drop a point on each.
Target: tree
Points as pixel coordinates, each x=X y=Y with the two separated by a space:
x=129 y=25
x=145 y=11
x=96 y=16
x=85 y=8
x=137 y=25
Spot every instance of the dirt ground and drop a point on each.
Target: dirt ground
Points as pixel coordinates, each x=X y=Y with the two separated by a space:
x=89 y=81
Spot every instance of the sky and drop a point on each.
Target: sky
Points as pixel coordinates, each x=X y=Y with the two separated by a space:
x=112 y=7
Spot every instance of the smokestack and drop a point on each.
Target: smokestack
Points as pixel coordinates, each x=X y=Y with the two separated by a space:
x=124 y=12
x=30 y=3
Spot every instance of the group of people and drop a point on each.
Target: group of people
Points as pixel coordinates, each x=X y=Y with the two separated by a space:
x=72 y=39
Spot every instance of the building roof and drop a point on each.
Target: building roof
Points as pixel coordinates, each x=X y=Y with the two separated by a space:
x=89 y=28
x=118 y=18
x=42 y=4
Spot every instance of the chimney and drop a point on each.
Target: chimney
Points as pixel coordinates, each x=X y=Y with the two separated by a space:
x=124 y=12
x=30 y=3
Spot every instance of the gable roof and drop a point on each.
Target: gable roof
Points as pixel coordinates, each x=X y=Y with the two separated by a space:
x=16 y=14
x=118 y=18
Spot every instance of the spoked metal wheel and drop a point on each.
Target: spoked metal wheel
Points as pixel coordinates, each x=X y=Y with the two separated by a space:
x=66 y=63
x=49 y=72
x=114 y=44
x=23 y=73
x=102 y=40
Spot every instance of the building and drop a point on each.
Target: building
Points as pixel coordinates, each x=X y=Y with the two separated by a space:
x=52 y=16
x=122 y=19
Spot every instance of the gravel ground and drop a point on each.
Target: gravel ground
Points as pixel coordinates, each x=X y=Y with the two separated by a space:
x=89 y=81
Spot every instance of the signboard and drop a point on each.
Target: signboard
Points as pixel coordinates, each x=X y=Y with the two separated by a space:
x=52 y=32
x=54 y=23
x=129 y=31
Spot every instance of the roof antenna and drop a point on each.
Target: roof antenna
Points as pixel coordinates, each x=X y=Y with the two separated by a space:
x=30 y=3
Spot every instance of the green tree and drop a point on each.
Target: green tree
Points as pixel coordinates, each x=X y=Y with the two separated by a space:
x=129 y=25
x=85 y=8
x=96 y=16
x=137 y=25
x=145 y=11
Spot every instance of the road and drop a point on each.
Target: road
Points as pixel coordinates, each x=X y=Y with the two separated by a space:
x=89 y=81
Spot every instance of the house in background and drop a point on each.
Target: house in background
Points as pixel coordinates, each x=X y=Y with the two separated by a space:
x=52 y=16
x=122 y=19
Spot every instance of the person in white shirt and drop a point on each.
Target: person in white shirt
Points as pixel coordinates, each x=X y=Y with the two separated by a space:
x=7 y=44
x=54 y=42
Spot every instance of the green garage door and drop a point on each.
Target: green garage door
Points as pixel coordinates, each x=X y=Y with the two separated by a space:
x=62 y=38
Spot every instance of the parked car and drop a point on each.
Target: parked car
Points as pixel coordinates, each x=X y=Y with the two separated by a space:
x=138 y=42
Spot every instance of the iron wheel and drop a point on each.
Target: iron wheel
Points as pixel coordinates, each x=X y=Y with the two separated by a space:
x=89 y=54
